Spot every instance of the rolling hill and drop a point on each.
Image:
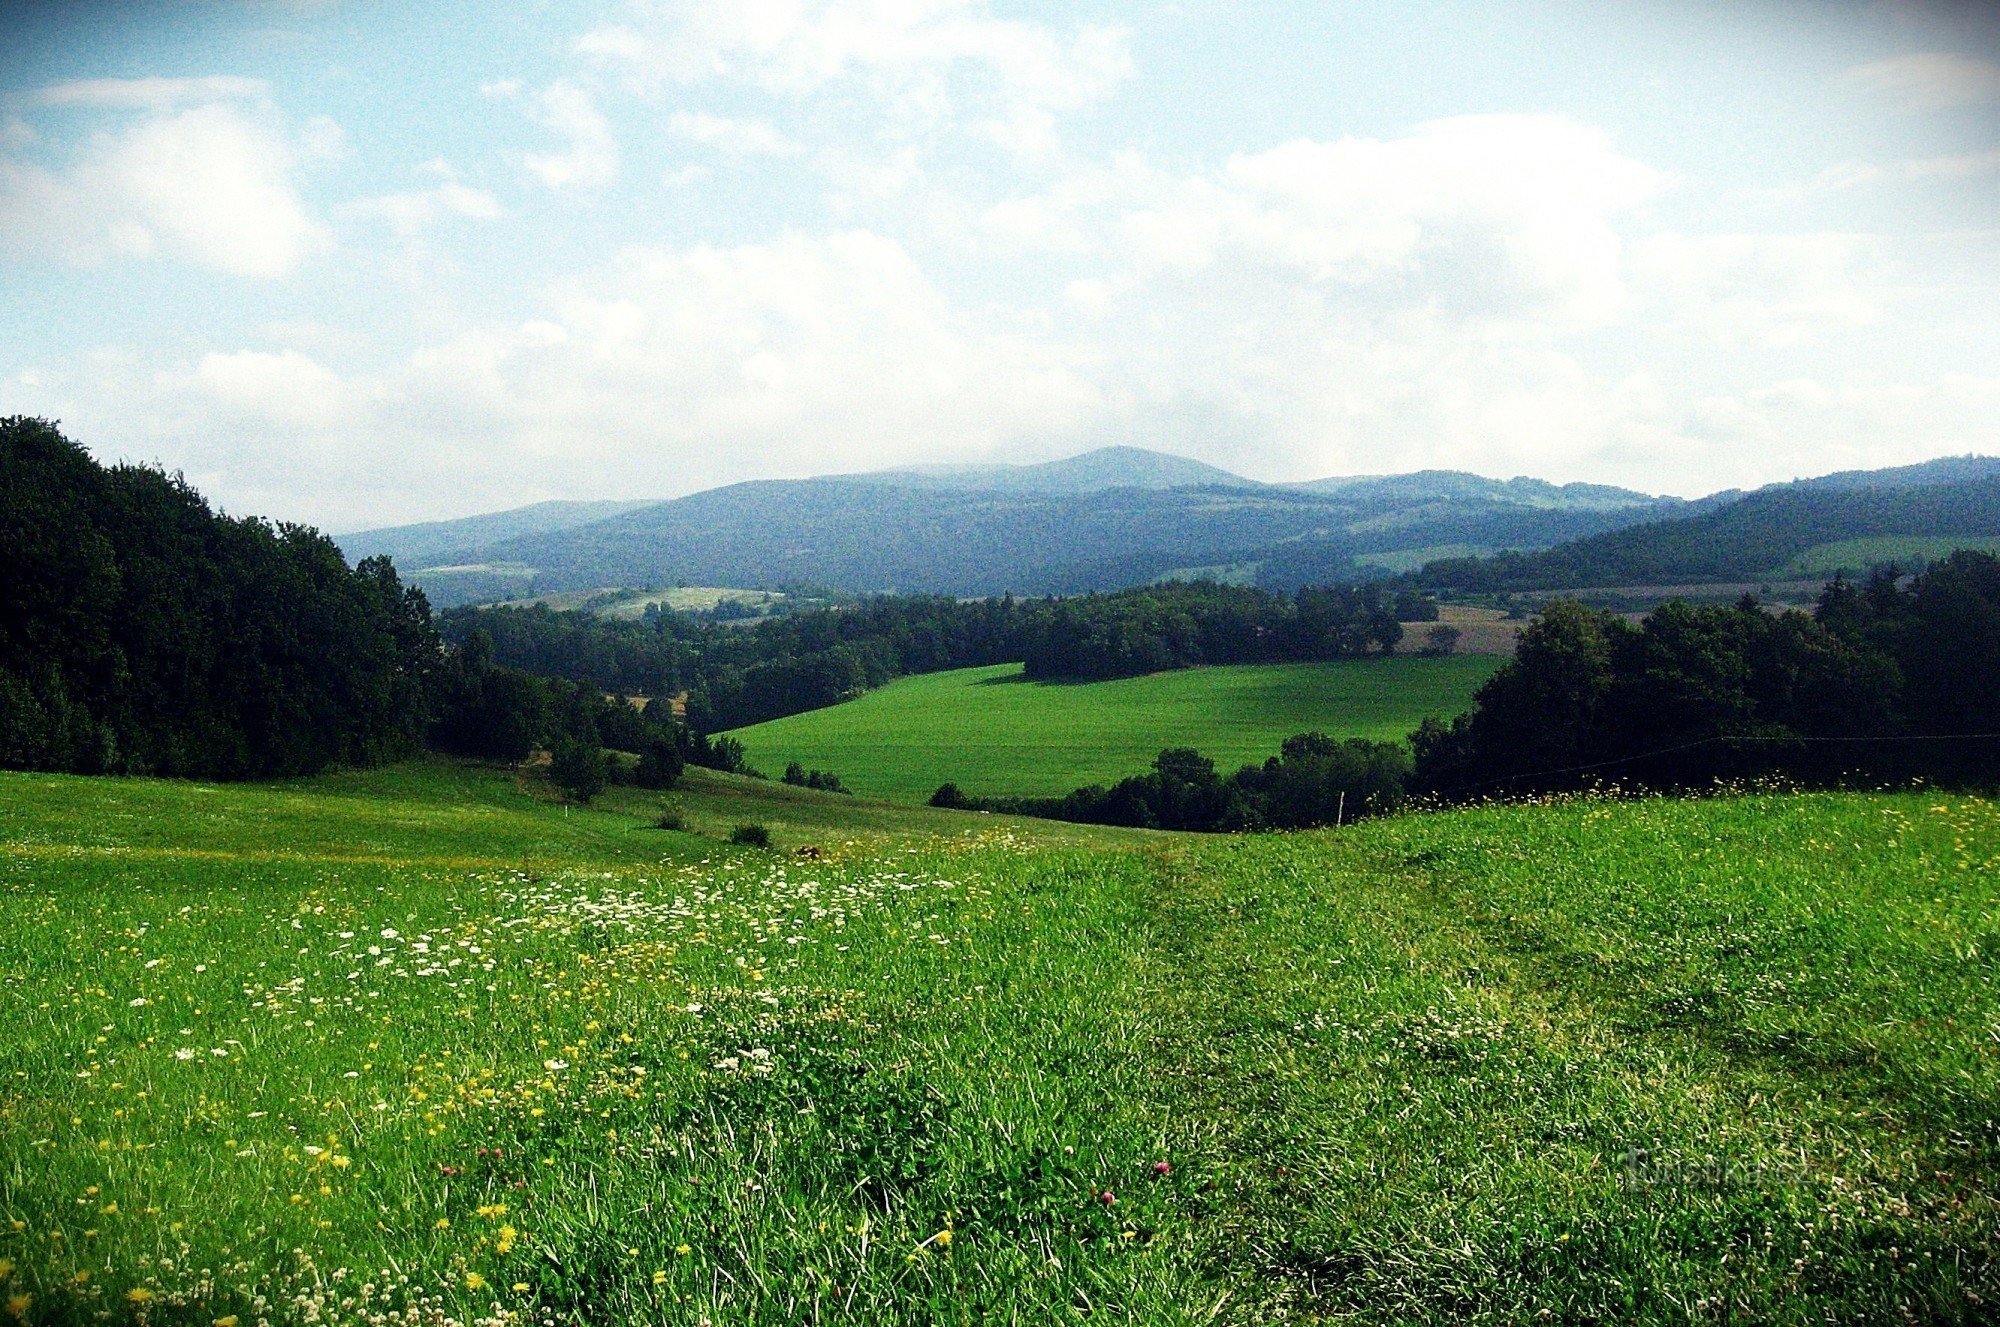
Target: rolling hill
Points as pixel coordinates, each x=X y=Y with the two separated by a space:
x=996 y=733
x=1104 y=520
x=1765 y=534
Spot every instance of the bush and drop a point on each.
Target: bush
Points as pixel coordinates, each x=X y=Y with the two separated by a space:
x=818 y=780
x=670 y=819
x=950 y=797
x=751 y=836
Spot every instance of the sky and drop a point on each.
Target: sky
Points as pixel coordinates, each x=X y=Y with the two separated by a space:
x=361 y=264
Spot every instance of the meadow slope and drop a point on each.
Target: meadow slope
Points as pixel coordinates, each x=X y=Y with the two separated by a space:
x=419 y=1046
x=995 y=733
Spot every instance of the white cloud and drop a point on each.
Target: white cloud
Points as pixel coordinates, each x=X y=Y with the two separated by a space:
x=737 y=137
x=920 y=59
x=682 y=368
x=1933 y=80
x=148 y=93
x=214 y=183
x=414 y=211
x=590 y=160
x=1768 y=289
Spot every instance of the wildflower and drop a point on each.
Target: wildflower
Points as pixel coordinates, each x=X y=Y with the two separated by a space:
x=340 y=1162
x=6 y=1268
x=520 y=1287
x=474 y=1281
x=683 y=1250
x=18 y=1304
x=943 y=1238
x=1107 y=1197
x=660 y=1277
x=493 y=1211
x=505 y=1242
x=226 y=1320
x=443 y=1223
x=1161 y=1168
x=139 y=1295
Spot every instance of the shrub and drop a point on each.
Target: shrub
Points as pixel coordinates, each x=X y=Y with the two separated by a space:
x=951 y=798
x=751 y=836
x=670 y=819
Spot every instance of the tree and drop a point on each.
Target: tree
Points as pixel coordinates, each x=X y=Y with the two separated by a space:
x=1441 y=640
x=660 y=764
x=577 y=768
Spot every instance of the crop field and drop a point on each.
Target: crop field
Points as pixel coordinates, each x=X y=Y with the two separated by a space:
x=993 y=732
x=419 y=1046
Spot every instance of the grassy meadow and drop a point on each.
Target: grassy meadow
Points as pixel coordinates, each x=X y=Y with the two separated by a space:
x=994 y=732
x=420 y=1046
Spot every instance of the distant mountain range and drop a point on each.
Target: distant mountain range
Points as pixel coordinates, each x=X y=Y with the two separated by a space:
x=1114 y=517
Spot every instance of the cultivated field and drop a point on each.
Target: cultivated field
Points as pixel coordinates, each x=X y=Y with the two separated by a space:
x=993 y=732
x=417 y=1046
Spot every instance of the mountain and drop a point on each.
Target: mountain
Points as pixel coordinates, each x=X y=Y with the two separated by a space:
x=428 y=543
x=1123 y=516
x=1759 y=535
x=1103 y=520
x=1092 y=472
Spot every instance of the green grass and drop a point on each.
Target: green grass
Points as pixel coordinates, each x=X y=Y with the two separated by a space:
x=993 y=732
x=419 y=1039
x=1856 y=555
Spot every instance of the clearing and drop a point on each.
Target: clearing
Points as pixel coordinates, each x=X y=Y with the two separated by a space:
x=993 y=732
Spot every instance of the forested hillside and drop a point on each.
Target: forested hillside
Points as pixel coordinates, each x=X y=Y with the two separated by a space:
x=1064 y=529
x=142 y=632
x=1743 y=540
x=734 y=676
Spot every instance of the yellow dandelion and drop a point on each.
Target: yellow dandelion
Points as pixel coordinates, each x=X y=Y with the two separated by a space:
x=660 y=1277
x=226 y=1320
x=18 y=1305
x=493 y=1211
x=139 y=1295
x=943 y=1238
x=340 y=1162
x=520 y=1287
x=505 y=1241
x=683 y=1250
x=443 y=1223
x=474 y=1281
x=6 y=1268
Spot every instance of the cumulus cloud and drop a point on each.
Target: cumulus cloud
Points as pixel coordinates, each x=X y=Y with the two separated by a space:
x=411 y=212
x=921 y=61
x=737 y=137
x=213 y=182
x=680 y=367
x=1933 y=80
x=590 y=160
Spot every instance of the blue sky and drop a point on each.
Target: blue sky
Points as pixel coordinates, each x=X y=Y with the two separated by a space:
x=355 y=265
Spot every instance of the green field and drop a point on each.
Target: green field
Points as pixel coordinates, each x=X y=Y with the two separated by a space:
x=1854 y=555
x=993 y=732
x=420 y=1046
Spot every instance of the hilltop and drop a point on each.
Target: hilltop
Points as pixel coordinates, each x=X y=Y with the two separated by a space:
x=1110 y=518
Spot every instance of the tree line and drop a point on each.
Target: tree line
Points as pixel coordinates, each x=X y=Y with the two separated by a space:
x=142 y=632
x=1886 y=681
x=734 y=675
